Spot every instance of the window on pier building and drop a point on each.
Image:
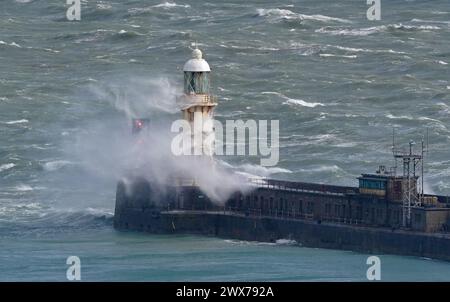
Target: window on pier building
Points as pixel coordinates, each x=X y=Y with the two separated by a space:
x=310 y=207
x=358 y=212
x=281 y=203
x=300 y=206
x=336 y=209
x=264 y=203
x=328 y=209
x=376 y=184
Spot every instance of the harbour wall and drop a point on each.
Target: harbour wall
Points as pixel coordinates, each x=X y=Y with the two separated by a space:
x=269 y=229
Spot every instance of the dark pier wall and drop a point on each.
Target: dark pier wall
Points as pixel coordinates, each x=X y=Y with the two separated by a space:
x=269 y=229
x=268 y=215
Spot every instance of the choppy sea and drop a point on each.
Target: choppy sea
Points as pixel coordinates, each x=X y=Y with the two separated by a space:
x=337 y=82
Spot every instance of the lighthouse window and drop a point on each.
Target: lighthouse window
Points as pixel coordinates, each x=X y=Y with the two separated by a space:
x=196 y=82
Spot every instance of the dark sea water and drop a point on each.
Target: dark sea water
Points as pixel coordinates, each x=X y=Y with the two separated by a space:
x=337 y=82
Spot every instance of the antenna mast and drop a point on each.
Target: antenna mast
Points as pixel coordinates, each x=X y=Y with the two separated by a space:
x=411 y=196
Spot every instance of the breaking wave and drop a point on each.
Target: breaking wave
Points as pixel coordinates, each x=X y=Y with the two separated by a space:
x=56 y=165
x=294 y=101
x=6 y=167
x=332 y=168
x=325 y=55
x=24 y=188
x=276 y=14
x=262 y=171
x=372 y=30
x=168 y=5
x=14 y=44
x=23 y=121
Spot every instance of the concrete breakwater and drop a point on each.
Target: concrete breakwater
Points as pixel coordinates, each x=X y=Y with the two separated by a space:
x=269 y=229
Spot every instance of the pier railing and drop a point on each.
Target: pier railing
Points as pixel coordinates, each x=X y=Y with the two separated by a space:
x=290 y=214
x=302 y=187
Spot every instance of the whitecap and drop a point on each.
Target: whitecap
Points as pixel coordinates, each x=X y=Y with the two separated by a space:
x=280 y=14
x=442 y=62
x=24 y=188
x=352 y=49
x=262 y=171
x=324 y=18
x=430 y=21
x=351 y=32
x=375 y=29
x=22 y=121
x=404 y=117
x=103 y=6
x=294 y=101
x=286 y=242
x=332 y=168
x=167 y=5
x=338 y=56
x=55 y=165
x=5 y=167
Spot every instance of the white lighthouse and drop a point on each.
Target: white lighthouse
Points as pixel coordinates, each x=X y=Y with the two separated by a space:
x=198 y=104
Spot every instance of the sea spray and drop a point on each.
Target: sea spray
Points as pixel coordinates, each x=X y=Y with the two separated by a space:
x=107 y=149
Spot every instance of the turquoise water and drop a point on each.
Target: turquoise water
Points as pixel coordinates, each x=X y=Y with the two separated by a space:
x=337 y=82
x=107 y=255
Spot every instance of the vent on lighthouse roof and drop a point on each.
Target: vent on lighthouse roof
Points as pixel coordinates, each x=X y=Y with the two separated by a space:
x=197 y=63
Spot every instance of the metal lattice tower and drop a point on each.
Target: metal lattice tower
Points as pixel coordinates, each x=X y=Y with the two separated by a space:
x=411 y=173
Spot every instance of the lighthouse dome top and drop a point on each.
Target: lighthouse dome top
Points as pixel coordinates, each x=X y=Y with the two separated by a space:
x=197 y=63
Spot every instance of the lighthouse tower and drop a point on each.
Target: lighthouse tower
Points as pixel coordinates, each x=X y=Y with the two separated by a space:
x=198 y=104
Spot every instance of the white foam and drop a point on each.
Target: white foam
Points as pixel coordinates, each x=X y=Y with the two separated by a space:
x=55 y=165
x=442 y=63
x=171 y=5
x=277 y=14
x=286 y=242
x=22 y=121
x=404 y=117
x=262 y=171
x=324 y=18
x=332 y=55
x=5 y=167
x=350 y=32
x=332 y=168
x=103 y=6
x=430 y=21
x=371 y=30
x=24 y=188
x=352 y=49
x=294 y=101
